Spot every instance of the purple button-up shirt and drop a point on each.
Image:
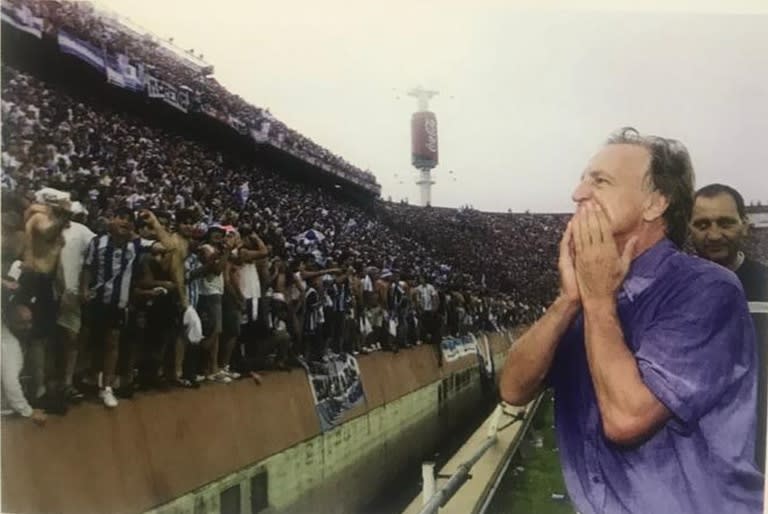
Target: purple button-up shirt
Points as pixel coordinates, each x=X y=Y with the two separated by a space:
x=687 y=323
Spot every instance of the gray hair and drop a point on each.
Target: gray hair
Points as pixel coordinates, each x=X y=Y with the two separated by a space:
x=670 y=173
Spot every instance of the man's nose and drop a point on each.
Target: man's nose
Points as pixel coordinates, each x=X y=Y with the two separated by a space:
x=582 y=192
x=714 y=234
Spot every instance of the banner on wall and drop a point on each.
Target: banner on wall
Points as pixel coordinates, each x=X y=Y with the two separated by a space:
x=83 y=50
x=455 y=348
x=121 y=72
x=336 y=387
x=23 y=19
x=170 y=94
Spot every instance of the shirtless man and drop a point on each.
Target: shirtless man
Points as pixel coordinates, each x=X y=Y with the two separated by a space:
x=43 y=241
x=177 y=244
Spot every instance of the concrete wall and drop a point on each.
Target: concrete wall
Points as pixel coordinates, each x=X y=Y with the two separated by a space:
x=177 y=452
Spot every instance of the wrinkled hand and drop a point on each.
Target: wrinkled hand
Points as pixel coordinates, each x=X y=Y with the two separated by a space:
x=569 y=287
x=600 y=269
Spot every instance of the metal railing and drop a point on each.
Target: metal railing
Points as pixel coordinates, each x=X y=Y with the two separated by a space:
x=434 y=500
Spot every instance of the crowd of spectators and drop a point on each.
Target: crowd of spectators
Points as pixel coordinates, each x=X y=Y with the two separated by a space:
x=87 y=23
x=297 y=270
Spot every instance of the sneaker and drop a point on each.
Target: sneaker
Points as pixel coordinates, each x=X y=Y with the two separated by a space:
x=234 y=375
x=219 y=377
x=186 y=383
x=108 y=397
x=200 y=378
x=72 y=394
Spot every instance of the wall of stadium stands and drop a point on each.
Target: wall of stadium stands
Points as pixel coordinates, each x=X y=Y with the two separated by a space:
x=244 y=448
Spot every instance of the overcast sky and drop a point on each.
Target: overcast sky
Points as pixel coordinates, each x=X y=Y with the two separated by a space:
x=526 y=95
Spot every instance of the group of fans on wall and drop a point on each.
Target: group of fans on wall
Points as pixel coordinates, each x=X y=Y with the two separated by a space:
x=133 y=257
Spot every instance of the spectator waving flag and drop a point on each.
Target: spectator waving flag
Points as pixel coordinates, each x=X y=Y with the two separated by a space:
x=310 y=237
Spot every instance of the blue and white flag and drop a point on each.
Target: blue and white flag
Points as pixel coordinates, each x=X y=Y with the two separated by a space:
x=23 y=19
x=121 y=73
x=310 y=237
x=81 y=49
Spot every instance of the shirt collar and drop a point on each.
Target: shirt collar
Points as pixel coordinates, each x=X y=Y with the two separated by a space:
x=644 y=268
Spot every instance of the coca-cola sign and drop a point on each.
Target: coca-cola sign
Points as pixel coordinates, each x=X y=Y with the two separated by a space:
x=424 y=140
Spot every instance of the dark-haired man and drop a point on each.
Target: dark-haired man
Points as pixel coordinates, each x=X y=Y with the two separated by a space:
x=651 y=352
x=107 y=274
x=719 y=226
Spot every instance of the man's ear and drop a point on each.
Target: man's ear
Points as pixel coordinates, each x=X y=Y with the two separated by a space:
x=654 y=206
x=745 y=227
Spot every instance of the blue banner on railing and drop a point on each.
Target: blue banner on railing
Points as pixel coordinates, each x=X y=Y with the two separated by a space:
x=88 y=52
x=123 y=73
x=23 y=19
x=336 y=387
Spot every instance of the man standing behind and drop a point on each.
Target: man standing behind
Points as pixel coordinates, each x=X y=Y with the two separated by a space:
x=77 y=237
x=651 y=352
x=719 y=226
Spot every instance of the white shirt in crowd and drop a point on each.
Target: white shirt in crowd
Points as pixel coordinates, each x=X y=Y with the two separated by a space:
x=211 y=284
x=76 y=240
x=426 y=295
x=250 y=286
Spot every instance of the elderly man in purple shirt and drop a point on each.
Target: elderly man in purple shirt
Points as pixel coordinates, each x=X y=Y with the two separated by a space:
x=651 y=352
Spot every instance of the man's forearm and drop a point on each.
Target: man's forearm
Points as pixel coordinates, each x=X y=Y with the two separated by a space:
x=623 y=398
x=531 y=356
